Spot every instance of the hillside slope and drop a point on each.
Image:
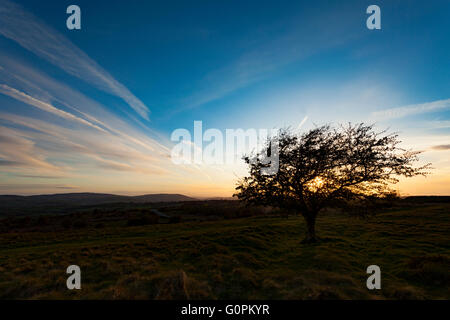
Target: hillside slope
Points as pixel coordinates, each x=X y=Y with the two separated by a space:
x=247 y=258
x=59 y=203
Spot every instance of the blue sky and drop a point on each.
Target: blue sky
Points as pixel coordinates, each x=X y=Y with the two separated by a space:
x=93 y=109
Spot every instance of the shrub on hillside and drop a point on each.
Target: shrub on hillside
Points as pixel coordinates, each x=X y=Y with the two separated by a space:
x=142 y=220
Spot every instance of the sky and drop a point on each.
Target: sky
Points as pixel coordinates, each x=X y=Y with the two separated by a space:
x=93 y=110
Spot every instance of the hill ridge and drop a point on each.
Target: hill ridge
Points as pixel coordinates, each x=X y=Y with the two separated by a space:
x=17 y=204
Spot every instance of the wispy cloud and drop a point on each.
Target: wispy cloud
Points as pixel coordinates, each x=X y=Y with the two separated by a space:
x=23 y=97
x=300 y=125
x=30 y=187
x=37 y=176
x=410 y=110
x=19 y=152
x=441 y=147
x=266 y=56
x=87 y=137
x=39 y=86
x=28 y=31
x=78 y=142
x=20 y=146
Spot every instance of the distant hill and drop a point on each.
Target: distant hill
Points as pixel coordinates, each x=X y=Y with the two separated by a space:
x=219 y=198
x=427 y=199
x=51 y=203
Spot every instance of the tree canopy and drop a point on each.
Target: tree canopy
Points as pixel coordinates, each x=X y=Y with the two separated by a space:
x=328 y=166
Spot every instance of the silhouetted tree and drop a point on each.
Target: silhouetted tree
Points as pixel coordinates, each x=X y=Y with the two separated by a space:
x=327 y=166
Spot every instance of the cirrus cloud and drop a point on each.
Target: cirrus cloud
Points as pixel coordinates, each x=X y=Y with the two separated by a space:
x=28 y=31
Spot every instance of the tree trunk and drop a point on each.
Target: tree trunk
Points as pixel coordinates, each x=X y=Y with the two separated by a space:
x=310 y=220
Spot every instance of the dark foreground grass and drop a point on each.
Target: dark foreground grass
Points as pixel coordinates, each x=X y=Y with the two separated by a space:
x=248 y=258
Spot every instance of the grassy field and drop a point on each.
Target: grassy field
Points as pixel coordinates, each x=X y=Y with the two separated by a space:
x=258 y=257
